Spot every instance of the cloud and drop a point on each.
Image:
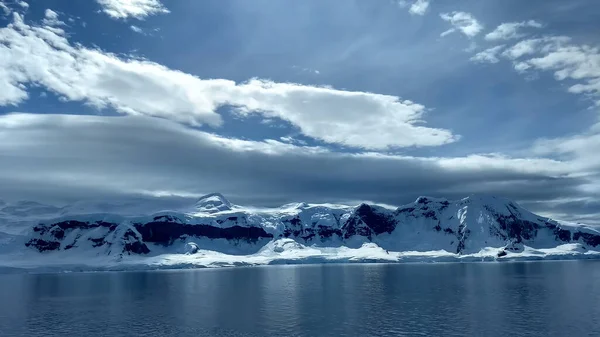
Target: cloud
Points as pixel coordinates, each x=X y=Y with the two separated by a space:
x=578 y=64
x=136 y=29
x=357 y=119
x=510 y=30
x=415 y=7
x=5 y=9
x=463 y=22
x=76 y=157
x=23 y=4
x=419 y=7
x=51 y=19
x=43 y=56
x=137 y=9
x=581 y=149
x=292 y=140
x=568 y=61
x=489 y=55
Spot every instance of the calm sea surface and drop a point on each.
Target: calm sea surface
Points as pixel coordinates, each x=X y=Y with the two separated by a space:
x=470 y=299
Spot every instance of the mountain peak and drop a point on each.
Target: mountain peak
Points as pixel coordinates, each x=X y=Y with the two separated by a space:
x=489 y=200
x=213 y=203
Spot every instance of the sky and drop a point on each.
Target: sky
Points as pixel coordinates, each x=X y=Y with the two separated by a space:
x=271 y=102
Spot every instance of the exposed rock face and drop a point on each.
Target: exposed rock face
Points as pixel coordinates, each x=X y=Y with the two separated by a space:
x=165 y=233
x=461 y=226
x=368 y=221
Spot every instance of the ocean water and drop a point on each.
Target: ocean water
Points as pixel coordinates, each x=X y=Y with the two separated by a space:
x=454 y=299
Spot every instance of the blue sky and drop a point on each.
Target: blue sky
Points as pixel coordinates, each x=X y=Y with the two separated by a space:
x=271 y=101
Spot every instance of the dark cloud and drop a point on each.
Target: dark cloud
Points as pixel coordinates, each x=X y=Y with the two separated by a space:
x=63 y=159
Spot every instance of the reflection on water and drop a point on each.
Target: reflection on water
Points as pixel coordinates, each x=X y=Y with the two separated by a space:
x=486 y=299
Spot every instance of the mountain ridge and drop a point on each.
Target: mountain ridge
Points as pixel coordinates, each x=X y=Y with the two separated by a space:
x=463 y=226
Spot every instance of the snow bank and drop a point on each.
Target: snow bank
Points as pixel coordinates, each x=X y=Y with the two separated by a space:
x=284 y=251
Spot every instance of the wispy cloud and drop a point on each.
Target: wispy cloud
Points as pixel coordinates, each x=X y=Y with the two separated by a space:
x=579 y=63
x=462 y=22
x=415 y=7
x=5 y=10
x=489 y=55
x=419 y=7
x=511 y=30
x=137 y=9
x=136 y=29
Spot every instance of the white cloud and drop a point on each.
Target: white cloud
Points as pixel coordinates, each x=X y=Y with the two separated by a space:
x=43 y=56
x=463 y=22
x=489 y=55
x=419 y=7
x=292 y=140
x=574 y=61
x=522 y=48
x=138 y=9
x=448 y=32
x=5 y=9
x=358 y=119
x=511 y=30
x=581 y=150
x=521 y=67
x=51 y=19
x=415 y=7
x=136 y=29
x=579 y=63
x=532 y=46
x=23 y=4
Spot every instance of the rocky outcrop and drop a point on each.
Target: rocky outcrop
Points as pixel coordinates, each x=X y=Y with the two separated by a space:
x=165 y=233
x=368 y=221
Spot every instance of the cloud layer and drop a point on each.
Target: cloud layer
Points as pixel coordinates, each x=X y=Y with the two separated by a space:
x=121 y=156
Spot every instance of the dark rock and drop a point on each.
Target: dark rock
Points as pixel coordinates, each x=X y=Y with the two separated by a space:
x=590 y=239
x=136 y=247
x=462 y=235
x=97 y=242
x=57 y=232
x=43 y=245
x=430 y=214
x=355 y=226
x=517 y=229
x=166 y=217
x=378 y=222
x=165 y=233
x=327 y=232
x=404 y=210
x=562 y=234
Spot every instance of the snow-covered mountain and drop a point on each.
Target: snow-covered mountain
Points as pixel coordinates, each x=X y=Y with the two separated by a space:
x=473 y=226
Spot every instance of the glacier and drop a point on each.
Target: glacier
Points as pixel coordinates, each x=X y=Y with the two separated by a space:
x=213 y=232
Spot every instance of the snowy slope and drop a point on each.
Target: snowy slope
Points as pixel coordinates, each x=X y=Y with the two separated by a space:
x=213 y=231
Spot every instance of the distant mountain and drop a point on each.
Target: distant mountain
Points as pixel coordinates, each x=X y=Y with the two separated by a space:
x=465 y=226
